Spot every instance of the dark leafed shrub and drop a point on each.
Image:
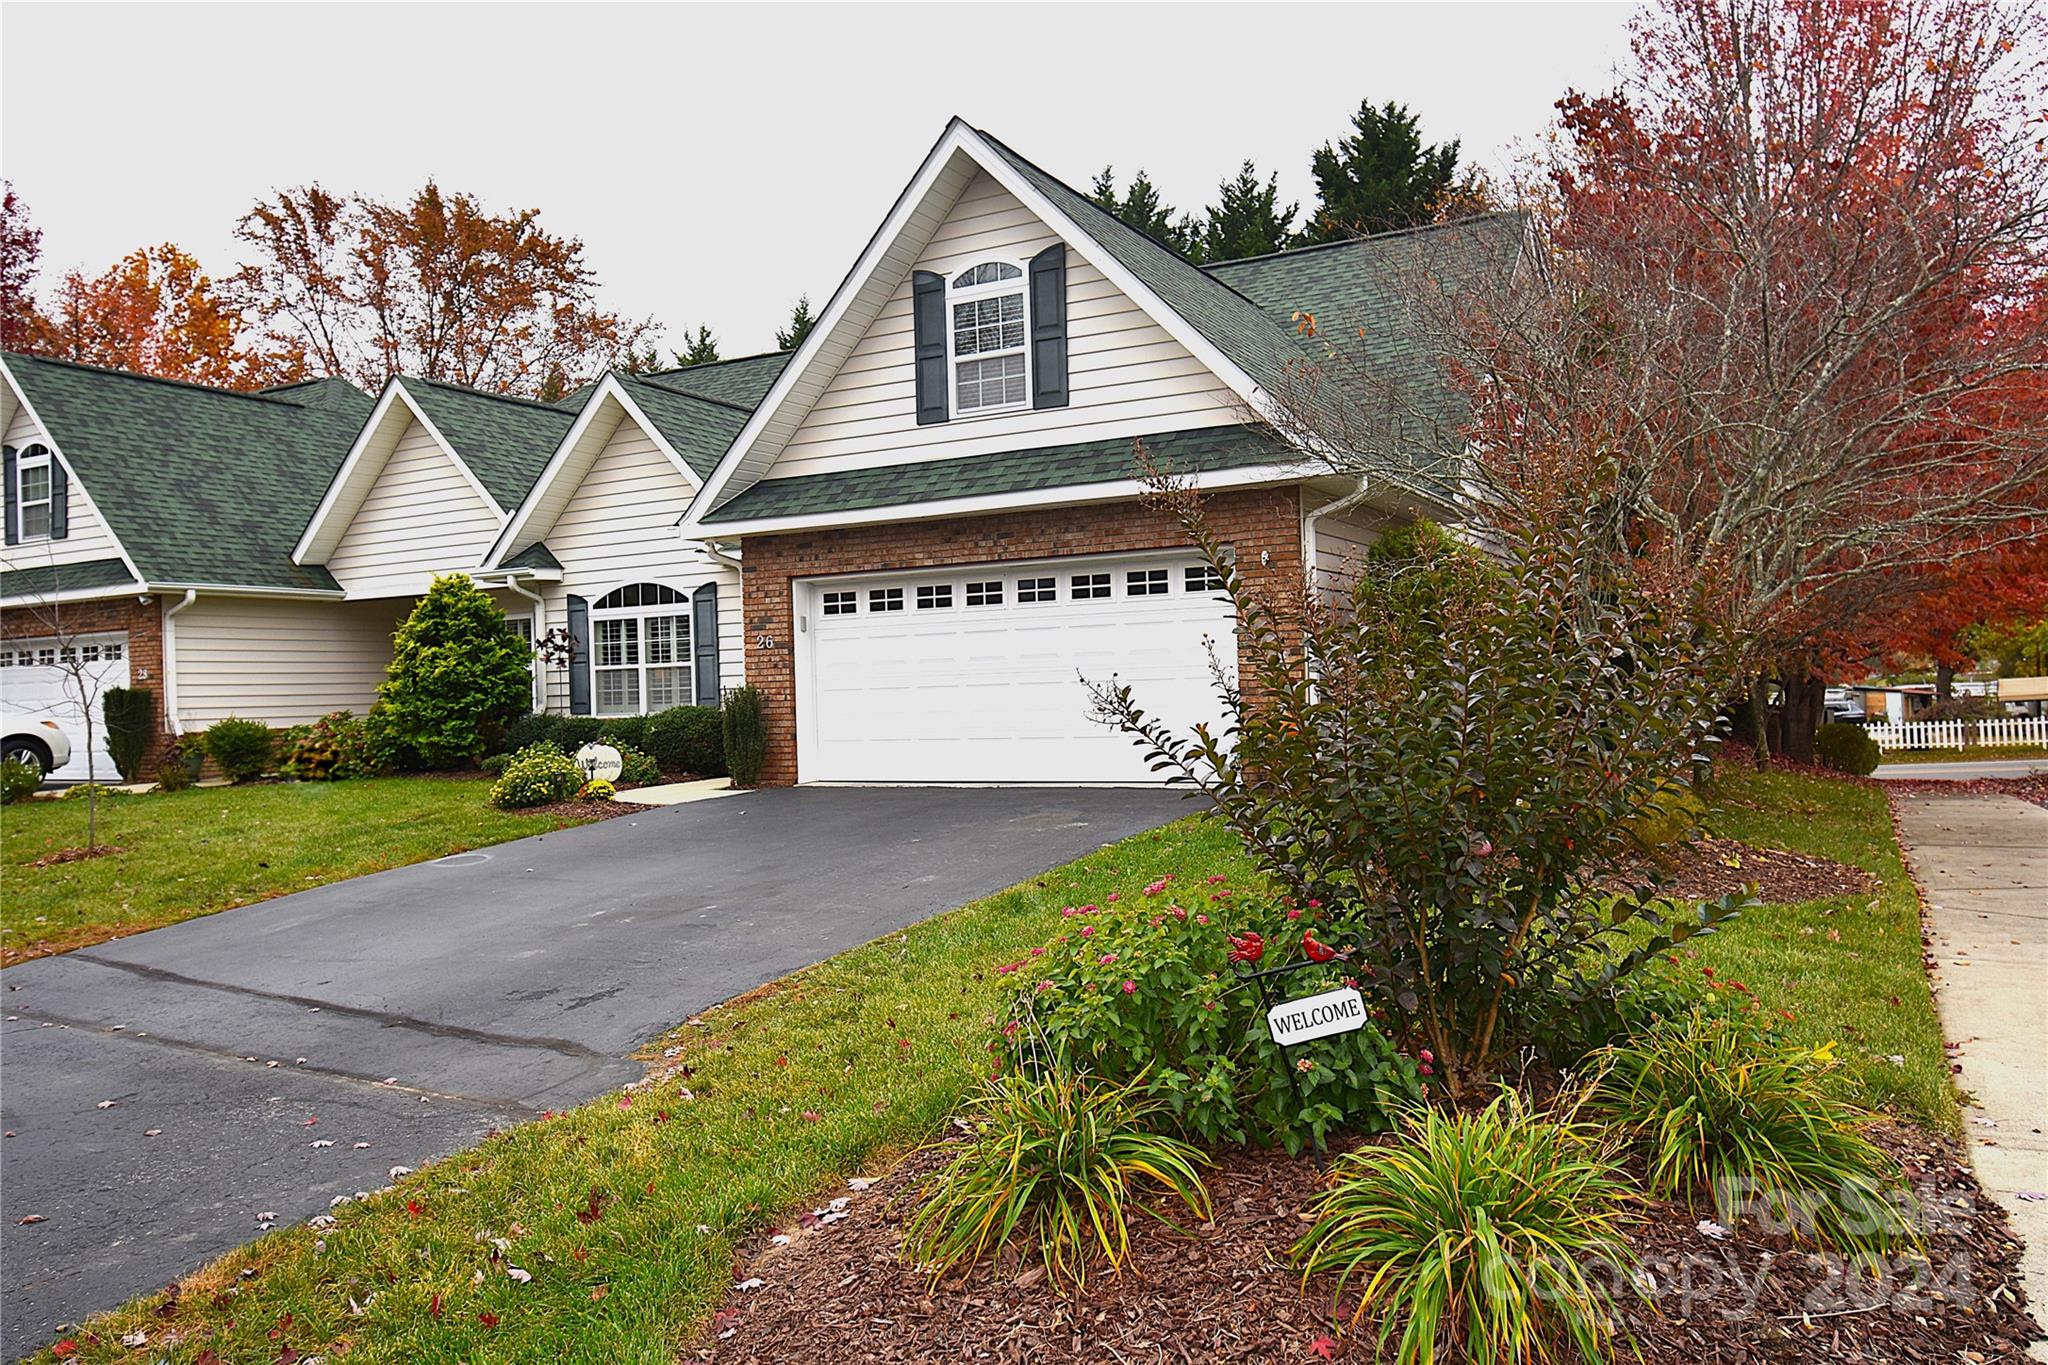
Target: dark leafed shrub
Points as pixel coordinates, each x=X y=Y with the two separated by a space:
x=1846 y=749
x=1457 y=777
x=746 y=742
x=637 y=767
x=626 y=730
x=573 y=732
x=688 y=739
x=331 y=749
x=172 y=775
x=242 y=749
x=130 y=714
x=496 y=764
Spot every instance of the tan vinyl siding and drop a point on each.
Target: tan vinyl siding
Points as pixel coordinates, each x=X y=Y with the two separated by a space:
x=90 y=538
x=1125 y=373
x=422 y=517
x=619 y=527
x=1341 y=542
x=278 y=661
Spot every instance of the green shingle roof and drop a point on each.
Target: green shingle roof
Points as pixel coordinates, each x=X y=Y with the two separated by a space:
x=534 y=556
x=1358 y=293
x=47 y=580
x=203 y=486
x=505 y=441
x=1232 y=323
x=745 y=381
x=700 y=429
x=1009 y=471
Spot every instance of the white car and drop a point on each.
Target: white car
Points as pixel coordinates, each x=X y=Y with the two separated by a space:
x=35 y=740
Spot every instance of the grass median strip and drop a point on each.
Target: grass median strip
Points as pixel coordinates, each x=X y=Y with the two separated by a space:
x=192 y=853
x=621 y=1215
x=1848 y=969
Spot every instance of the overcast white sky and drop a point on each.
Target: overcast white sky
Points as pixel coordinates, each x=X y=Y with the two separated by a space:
x=719 y=160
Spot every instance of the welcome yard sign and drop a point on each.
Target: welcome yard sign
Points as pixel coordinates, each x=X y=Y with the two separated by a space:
x=1316 y=1016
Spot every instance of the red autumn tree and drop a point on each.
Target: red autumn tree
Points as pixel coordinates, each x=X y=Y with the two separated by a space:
x=21 y=247
x=436 y=285
x=1771 y=329
x=156 y=311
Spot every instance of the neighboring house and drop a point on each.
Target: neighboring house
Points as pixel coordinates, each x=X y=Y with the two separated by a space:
x=917 y=536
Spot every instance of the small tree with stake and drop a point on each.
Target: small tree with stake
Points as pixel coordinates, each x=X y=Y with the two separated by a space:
x=82 y=667
x=1448 y=764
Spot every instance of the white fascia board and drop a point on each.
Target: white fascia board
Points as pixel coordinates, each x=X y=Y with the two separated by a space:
x=520 y=528
x=1247 y=476
x=494 y=577
x=20 y=396
x=959 y=137
x=50 y=599
x=314 y=545
x=836 y=308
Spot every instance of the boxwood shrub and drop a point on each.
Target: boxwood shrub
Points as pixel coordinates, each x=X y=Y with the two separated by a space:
x=242 y=749
x=688 y=739
x=1846 y=748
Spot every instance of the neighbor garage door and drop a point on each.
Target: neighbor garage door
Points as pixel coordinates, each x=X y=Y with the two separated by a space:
x=34 y=681
x=977 y=675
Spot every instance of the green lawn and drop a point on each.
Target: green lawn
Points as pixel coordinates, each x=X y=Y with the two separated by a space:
x=1848 y=969
x=1973 y=754
x=625 y=1212
x=192 y=853
x=603 y=1206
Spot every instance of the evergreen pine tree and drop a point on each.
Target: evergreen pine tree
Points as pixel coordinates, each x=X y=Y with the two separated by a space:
x=1143 y=208
x=800 y=324
x=1380 y=177
x=1247 y=219
x=701 y=349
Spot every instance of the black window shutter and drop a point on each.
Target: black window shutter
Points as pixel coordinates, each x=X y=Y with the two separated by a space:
x=1049 y=327
x=704 y=642
x=13 y=512
x=928 y=320
x=60 y=500
x=579 y=656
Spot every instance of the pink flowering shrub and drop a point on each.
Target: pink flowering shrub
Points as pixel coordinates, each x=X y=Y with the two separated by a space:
x=1141 y=986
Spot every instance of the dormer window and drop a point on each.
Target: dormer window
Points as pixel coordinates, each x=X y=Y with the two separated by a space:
x=990 y=338
x=32 y=492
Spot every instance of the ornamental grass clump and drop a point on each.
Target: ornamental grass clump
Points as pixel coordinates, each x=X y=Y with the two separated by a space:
x=1454 y=762
x=1486 y=1236
x=1714 y=1111
x=1059 y=1162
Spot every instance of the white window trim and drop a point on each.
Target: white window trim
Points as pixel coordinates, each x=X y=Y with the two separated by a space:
x=686 y=658
x=38 y=456
x=968 y=293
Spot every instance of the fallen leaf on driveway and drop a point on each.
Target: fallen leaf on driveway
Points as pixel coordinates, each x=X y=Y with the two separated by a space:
x=362 y=1146
x=151 y=1132
x=28 y=1218
x=108 y=1104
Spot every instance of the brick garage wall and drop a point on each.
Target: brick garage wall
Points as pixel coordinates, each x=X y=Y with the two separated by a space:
x=1254 y=522
x=142 y=618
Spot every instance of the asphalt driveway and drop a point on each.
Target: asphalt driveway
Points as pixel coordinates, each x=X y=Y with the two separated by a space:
x=161 y=1094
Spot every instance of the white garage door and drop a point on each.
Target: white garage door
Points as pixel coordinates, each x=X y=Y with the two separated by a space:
x=34 y=682
x=976 y=675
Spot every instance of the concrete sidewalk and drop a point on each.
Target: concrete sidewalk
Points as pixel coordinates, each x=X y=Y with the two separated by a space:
x=1982 y=865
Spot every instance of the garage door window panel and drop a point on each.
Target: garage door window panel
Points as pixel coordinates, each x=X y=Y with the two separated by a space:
x=641 y=659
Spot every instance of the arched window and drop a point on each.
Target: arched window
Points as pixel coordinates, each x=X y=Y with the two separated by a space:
x=32 y=491
x=989 y=338
x=640 y=649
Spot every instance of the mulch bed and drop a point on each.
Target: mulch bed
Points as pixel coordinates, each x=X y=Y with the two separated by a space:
x=77 y=855
x=1223 y=1292
x=588 y=810
x=1708 y=868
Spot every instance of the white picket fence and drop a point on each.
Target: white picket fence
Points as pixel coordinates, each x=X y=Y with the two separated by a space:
x=1959 y=734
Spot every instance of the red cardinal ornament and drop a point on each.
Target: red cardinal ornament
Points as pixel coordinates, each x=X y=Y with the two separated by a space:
x=1317 y=952
x=1246 y=947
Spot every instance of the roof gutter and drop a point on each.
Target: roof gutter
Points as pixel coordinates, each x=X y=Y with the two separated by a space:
x=1328 y=509
x=171 y=721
